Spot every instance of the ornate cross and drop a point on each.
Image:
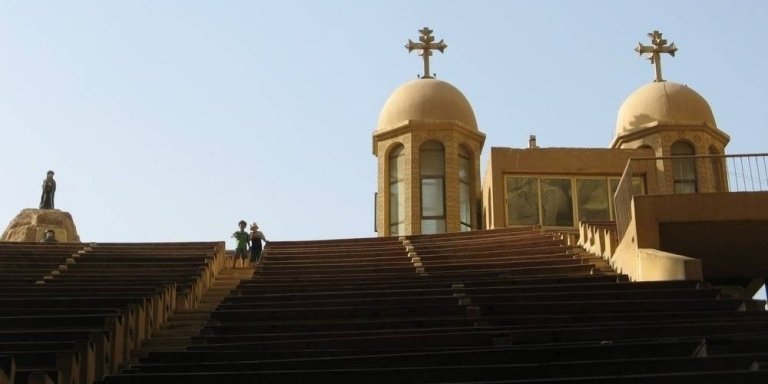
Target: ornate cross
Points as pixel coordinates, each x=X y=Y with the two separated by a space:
x=426 y=45
x=657 y=47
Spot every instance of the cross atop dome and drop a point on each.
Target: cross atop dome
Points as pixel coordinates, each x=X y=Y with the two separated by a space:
x=426 y=45
x=657 y=47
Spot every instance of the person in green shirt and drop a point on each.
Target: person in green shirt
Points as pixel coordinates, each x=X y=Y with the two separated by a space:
x=242 y=237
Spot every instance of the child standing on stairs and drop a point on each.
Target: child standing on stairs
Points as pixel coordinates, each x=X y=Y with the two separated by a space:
x=241 y=251
x=256 y=238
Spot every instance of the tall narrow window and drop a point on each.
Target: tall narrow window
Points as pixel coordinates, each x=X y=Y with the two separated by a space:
x=684 y=169
x=397 y=191
x=432 y=172
x=465 y=181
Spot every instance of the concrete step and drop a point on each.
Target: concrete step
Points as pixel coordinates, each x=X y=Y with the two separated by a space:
x=176 y=326
x=213 y=299
x=176 y=333
x=168 y=342
x=188 y=316
x=220 y=291
x=237 y=272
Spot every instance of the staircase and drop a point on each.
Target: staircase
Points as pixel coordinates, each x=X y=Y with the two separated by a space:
x=177 y=333
x=512 y=305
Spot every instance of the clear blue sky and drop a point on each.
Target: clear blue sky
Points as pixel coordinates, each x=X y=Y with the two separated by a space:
x=172 y=120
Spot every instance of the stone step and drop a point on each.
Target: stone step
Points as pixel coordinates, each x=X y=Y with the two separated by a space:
x=231 y=279
x=236 y=272
x=220 y=291
x=181 y=325
x=479 y=356
x=173 y=334
x=178 y=331
x=221 y=284
x=213 y=300
x=168 y=342
x=187 y=316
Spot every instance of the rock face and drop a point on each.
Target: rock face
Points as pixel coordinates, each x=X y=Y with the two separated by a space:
x=30 y=225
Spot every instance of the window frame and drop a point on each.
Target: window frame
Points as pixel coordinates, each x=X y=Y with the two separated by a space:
x=441 y=181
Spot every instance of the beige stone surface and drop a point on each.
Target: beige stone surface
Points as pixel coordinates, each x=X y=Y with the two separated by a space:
x=426 y=99
x=412 y=135
x=662 y=113
x=30 y=225
x=734 y=251
x=664 y=102
x=420 y=111
x=656 y=265
x=562 y=162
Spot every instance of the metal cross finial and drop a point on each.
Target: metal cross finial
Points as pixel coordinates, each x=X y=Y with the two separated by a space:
x=426 y=45
x=657 y=47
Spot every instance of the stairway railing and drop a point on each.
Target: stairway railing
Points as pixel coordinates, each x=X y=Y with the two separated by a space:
x=687 y=174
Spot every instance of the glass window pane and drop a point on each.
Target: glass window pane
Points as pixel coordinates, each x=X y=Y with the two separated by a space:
x=684 y=169
x=685 y=187
x=522 y=201
x=464 y=169
x=432 y=226
x=432 y=159
x=684 y=174
x=397 y=203
x=432 y=198
x=397 y=229
x=432 y=163
x=396 y=191
x=592 y=199
x=681 y=148
x=464 y=204
x=396 y=164
x=556 y=204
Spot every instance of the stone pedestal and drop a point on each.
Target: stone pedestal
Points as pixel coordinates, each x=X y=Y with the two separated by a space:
x=31 y=224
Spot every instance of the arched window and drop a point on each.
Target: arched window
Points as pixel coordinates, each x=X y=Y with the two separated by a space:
x=397 y=191
x=684 y=169
x=465 y=191
x=432 y=174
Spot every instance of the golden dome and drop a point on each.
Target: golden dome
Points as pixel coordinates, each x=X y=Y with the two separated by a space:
x=663 y=102
x=426 y=99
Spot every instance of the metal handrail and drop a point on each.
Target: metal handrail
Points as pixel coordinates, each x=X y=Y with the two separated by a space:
x=701 y=174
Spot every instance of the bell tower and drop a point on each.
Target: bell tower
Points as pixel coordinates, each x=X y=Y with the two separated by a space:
x=678 y=124
x=428 y=148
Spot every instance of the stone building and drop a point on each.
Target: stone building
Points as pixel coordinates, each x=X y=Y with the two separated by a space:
x=656 y=287
x=667 y=148
x=428 y=147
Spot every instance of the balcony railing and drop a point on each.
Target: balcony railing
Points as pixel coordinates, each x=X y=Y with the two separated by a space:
x=688 y=174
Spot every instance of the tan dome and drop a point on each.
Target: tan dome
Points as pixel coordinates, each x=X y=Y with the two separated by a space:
x=426 y=99
x=663 y=102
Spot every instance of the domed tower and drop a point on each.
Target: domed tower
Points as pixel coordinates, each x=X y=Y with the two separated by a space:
x=428 y=149
x=675 y=121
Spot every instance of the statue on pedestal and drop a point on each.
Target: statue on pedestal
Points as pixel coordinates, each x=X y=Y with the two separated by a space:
x=46 y=223
x=49 y=190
